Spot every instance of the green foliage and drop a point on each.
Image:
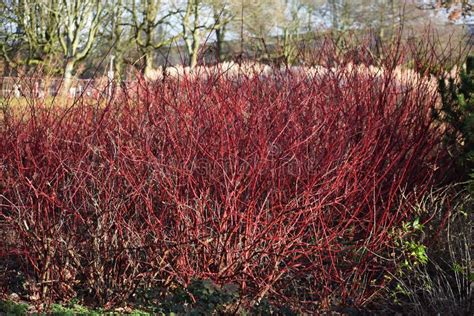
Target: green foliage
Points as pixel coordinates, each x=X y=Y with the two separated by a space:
x=264 y=307
x=457 y=112
x=200 y=297
x=407 y=239
x=204 y=297
x=12 y=308
x=71 y=310
x=433 y=275
x=209 y=297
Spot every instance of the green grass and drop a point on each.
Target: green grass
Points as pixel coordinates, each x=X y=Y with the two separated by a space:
x=10 y=308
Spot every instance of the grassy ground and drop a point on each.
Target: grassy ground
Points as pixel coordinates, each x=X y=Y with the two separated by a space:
x=9 y=307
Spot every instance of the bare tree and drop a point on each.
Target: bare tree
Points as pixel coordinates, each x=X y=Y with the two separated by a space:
x=118 y=34
x=192 y=27
x=29 y=31
x=257 y=21
x=222 y=14
x=150 y=21
x=292 y=26
x=79 y=22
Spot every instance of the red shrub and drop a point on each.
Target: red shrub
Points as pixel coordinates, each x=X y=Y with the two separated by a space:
x=285 y=185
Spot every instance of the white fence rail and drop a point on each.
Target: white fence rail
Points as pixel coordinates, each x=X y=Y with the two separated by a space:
x=31 y=87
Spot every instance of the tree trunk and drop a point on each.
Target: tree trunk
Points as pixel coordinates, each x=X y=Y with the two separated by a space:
x=287 y=50
x=118 y=67
x=149 y=72
x=193 y=58
x=334 y=14
x=219 y=39
x=68 y=76
x=220 y=34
